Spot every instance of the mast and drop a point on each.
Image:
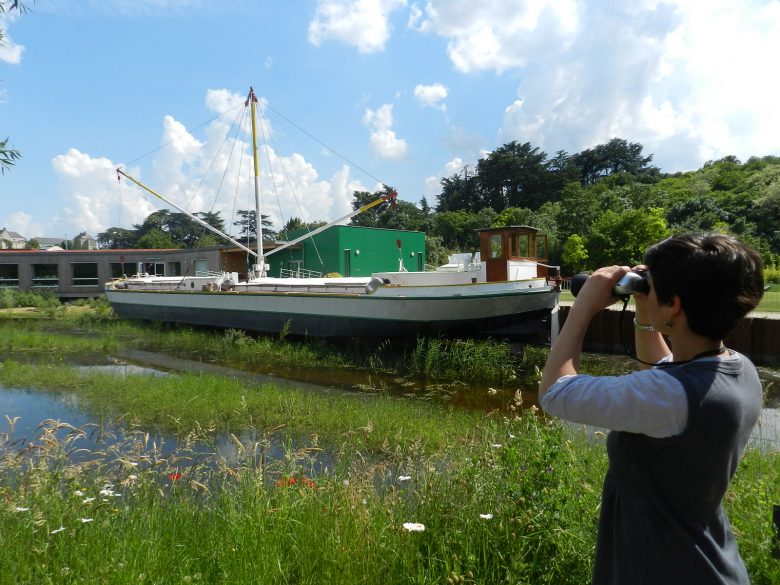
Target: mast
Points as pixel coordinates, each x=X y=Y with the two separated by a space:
x=260 y=267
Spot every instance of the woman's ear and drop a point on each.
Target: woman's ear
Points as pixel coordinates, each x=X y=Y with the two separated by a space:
x=675 y=306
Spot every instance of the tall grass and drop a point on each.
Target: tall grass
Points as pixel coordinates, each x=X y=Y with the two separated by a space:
x=512 y=501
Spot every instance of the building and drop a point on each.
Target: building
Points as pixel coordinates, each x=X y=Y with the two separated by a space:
x=82 y=273
x=11 y=240
x=351 y=250
x=346 y=250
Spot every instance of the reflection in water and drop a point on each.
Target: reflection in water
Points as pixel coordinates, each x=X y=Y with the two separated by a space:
x=34 y=407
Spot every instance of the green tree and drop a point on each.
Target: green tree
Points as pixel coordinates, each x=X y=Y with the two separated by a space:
x=247 y=222
x=514 y=175
x=379 y=215
x=157 y=239
x=622 y=237
x=8 y=155
x=435 y=252
x=115 y=238
x=616 y=156
x=460 y=193
x=575 y=255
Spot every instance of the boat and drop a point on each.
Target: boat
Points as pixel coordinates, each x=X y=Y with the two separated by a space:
x=503 y=290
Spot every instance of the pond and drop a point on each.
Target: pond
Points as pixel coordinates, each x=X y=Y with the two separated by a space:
x=25 y=410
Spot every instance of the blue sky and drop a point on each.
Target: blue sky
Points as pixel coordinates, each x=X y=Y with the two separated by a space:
x=409 y=91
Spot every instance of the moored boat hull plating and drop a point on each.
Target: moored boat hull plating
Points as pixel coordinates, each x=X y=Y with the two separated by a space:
x=518 y=312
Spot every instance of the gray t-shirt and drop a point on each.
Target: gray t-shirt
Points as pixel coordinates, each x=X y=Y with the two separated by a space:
x=661 y=517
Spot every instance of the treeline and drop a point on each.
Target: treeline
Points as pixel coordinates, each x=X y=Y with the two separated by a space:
x=601 y=206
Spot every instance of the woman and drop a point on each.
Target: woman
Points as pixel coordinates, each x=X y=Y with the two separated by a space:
x=679 y=426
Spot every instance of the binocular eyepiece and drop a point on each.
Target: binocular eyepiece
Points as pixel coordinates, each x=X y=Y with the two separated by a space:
x=630 y=283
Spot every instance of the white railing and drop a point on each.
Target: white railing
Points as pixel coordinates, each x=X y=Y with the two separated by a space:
x=299 y=273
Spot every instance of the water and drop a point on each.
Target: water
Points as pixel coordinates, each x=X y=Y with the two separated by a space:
x=29 y=408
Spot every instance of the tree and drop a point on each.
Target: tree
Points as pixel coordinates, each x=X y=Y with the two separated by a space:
x=248 y=223
x=574 y=253
x=8 y=155
x=115 y=238
x=616 y=156
x=379 y=215
x=157 y=239
x=622 y=237
x=514 y=175
x=460 y=193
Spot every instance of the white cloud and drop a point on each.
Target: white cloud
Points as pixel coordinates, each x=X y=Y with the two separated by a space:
x=431 y=95
x=688 y=80
x=360 y=23
x=190 y=172
x=384 y=141
x=10 y=52
x=433 y=183
x=23 y=224
x=499 y=34
x=94 y=202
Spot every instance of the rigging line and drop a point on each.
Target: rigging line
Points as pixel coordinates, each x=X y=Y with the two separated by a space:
x=217 y=117
x=320 y=142
x=292 y=189
x=237 y=124
x=213 y=160
x=263 y=129
x=238 y=175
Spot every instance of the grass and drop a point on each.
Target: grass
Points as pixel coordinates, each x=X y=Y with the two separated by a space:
x=504 y=497
x=79 y=330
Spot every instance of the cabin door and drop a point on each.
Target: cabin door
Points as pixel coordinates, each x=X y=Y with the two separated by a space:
x=347 y=267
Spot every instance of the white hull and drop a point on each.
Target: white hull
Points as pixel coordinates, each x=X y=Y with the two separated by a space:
x=350 y=307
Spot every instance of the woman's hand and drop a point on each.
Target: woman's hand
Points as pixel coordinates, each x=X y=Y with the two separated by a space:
x=597 y=292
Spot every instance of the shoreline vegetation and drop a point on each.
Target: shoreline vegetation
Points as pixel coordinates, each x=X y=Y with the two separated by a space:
x=364 y=487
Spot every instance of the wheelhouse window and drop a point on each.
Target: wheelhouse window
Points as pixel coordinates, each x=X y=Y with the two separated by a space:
x=9 y=275
x=496 y=248
x=520 y=246
x=85 y=273
x=45 y=275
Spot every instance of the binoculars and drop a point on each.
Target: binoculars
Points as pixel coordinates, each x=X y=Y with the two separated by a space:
x=630 y=283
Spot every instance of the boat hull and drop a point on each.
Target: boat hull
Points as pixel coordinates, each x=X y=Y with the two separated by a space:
x=509 y=313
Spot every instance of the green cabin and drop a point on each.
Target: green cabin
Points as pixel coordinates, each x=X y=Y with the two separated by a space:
x=351 y=251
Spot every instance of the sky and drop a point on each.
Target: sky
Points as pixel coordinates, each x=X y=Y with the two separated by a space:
x=354 y=94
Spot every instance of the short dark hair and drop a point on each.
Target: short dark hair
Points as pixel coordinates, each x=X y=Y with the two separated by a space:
x=718 y=278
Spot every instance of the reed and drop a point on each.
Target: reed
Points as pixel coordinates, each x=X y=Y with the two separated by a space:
x=513 y=501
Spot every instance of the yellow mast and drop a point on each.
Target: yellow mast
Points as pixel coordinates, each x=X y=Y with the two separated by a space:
x=260 y=268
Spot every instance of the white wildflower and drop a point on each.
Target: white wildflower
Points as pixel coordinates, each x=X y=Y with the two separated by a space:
x=85 y=520
x=87 y=500
x=496 y=445
x=55 y=531
x=78 y=493
x=345 y=482
x=486 y=516
x=20 y=509
x=404 y=477
x=106 y=492
x=492 y=391
x=414 y=527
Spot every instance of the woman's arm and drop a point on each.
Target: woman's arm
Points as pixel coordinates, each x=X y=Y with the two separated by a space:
x=595 y=295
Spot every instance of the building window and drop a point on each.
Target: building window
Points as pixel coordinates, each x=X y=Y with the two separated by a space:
x=174 y=269
x=122 y=269
x=45 y=275
x=9 y=275
x=85 y=273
